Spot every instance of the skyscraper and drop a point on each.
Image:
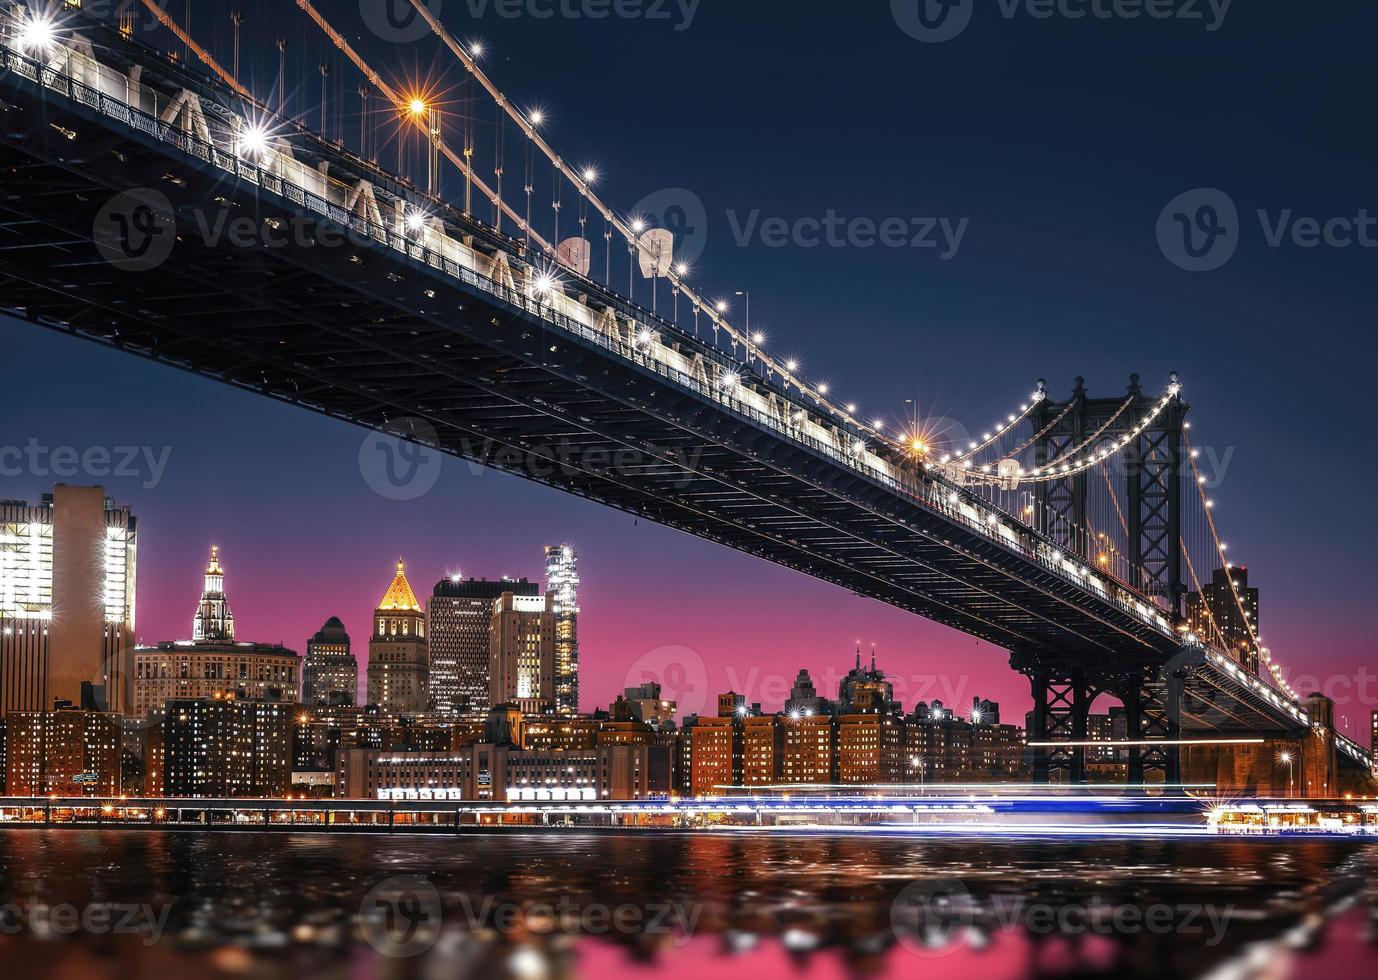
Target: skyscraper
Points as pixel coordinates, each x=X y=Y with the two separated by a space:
x=214 y=663
x=330 y=674
x=521 y=663
x=213 y=619
x=1215 y=615
x=398 y=657
x=460 y=618
x=67 y=571
x=562 y=582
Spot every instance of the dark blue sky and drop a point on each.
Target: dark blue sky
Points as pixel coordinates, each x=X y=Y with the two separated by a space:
x=1058 y=141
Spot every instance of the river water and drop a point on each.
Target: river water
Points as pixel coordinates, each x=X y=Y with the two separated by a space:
x=79 y=904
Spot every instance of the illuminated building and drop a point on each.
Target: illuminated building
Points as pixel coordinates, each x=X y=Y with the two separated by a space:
x=763 y=743
x=75 y=552
x=460 y=618
x=1215 y=615
x=215 y=664
x=717 y=754
x=504 y=773
x=804 y=699
x=648 y=706
x=809 y=749
x=521 y=652
x=562 y=582
x=213 y=620
x=870 y=749
x=398 y=657
x=547 y=733
x=67 y=752
x=330 y=674
x=943 y=748
x=223 y=747
x=1373 y=738
x=863 y=685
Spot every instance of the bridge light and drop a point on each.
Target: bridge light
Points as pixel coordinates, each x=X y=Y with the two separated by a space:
x=544 y=284
x=681 y=269
x=823 y=388
x=417 y=106
x=644 y=338
x=253 y=141
x=476 y=49
x=918 y=445
x=721 y=306
x=416 y=220
x=851 y=406
x=758 y=338
x=38 y=33
x=537 y=117
x=791 y=365
x=638 y=226
x=590 y=175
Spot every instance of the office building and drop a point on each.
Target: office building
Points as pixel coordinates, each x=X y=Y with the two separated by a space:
x=215 y=664
x=562 y=583
x=221 y=747
x=330 y=673
x=65 y=752
x=521 y=660
x=398 y=656
x=1216 y=615
x=67 y=574
x=504 y=773
x=809 y=750
x=459 y=619
x=647 y=705
x=870 y=749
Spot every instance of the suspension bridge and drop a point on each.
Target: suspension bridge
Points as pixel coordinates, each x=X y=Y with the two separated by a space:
x=152 y=203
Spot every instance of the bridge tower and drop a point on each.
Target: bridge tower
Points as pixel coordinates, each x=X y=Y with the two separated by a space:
x=1146 y=481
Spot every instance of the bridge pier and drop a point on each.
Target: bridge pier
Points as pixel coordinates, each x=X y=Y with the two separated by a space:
x=1062 y=699
x=1153 y=710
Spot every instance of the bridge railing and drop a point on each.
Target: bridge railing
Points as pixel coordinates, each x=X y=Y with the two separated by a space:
x=331 y=199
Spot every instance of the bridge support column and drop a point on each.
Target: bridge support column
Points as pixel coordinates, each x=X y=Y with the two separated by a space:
x=1062 y=700
x=1153 y=710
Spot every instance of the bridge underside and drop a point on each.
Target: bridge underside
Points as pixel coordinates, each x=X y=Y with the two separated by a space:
x=368 y=335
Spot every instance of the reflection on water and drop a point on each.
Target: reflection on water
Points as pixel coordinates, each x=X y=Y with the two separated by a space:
x=750 y=904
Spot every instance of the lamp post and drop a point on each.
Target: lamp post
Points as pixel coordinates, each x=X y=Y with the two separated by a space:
x=1286 y=759
x=921 y=764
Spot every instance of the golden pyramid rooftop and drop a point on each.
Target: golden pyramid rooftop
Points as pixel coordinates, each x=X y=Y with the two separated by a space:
x=399 y=595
